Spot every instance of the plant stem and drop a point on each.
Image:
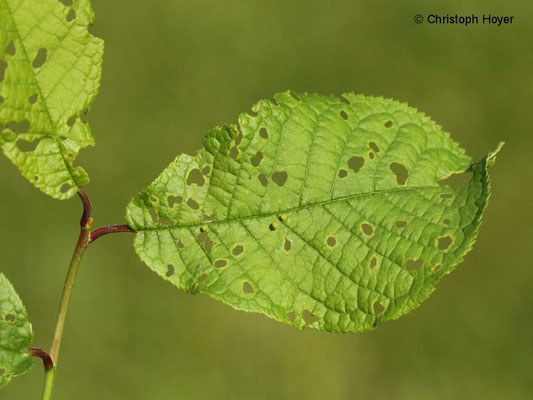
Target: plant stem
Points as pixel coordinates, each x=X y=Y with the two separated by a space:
x=49 y=375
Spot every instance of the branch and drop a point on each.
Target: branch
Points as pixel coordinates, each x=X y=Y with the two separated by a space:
x=104 y=230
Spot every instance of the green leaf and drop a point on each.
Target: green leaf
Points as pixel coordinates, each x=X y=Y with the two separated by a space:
x=50 y=69
x=315 y=211
x=15 y=334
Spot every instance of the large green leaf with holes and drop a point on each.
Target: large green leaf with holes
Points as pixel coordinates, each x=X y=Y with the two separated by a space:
x=316 y=211
x=15 y=334
x=50 y=69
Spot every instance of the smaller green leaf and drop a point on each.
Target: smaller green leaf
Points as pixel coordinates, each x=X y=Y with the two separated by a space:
x=15 y=334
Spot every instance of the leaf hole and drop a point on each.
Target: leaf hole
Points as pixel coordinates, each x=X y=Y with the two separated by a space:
x=308 y=317
x=170 y=270
x=10 y=49
x=331 y=241
x=400 y=171
x=374 y=147
x=71 y=15
x=173 y=200
x=208 y=244
x=196 y=177
x=371 y=155
x=153 y=215
x=36 y=178
x=373 y=262
x=19 y=127
x=388 y=124
x=71 y=121
x=378 y=308
x=444 y=242
x=446 y=195
x=193 y=204
x=367 y=229
x=412 y=265
x=342 y=173
x=220 y=263
x=234 y=152
x=204 y=228
x=166 y=222
x=401 y=224
x=25 y=146
x=201 y=278
x=456 y=181
x=263 y=179
x=282 y=217
x=446 y=221
x=273 y=226
x=11 y=318
x=237 y=250
x=3 y=68
x=263 y=133
x=247 y=288
x=33 y=98
x=206 y=170
x=287 y=245
x=280 y=177
x=65 y=187
x=291 y=315
x=355 y=163
x=344 y=115
x=256 y=160
x=40 y=58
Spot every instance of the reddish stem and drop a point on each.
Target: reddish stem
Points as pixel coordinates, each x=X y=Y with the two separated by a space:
x=37 y=352
x=104 y=230
x=87 y=209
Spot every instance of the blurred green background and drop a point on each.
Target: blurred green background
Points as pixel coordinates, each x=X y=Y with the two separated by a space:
x=174 y=69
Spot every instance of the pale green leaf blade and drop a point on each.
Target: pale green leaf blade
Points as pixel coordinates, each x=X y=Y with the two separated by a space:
x=50 y=70
x=15 y=334
x=303 y=213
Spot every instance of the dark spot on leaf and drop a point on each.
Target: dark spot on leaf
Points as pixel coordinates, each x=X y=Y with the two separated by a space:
x=256 y=160
x=220 y=263
x=25 y=146
x=280 y=177
x=247 y=288
x=36 y=178
x=3 y=68
x=367 y=229
x=202 y=278
x=287 y=245
x=208 y=244
x=378 y=308
x=234 y=152
x=196 y=177
x=153 y=215
x=65 y=187
x=456 y=181
x=40 y=58
x=154 y=199
x=308 y=317
x=71 y=15
x=342 y=173
x=19 y=127
x=10 y=318
x=282 y=217
x=291 y=315
x=344 y=115
x=166 y=221
x=263 y=179
x=33 y=98
x=400 y=171
x=356 y=163
x=401 y=224
x=446 y=196
x=331 y=241
x=179 y=244
x=172 y=200
x=10 y=49
x=388 y=124
x=444 y=242
x=170 y=270
x=446 y=221
x=237 y=250
x=193 y=204
x=209 y=218
x=374 y=146
x=436 y=268
x=204 y=228
x=373 y=262
x=273 y=226
x=371 y=155
x=295 y=96
x=263 y=133
x=206 y=170
x=412 y=265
